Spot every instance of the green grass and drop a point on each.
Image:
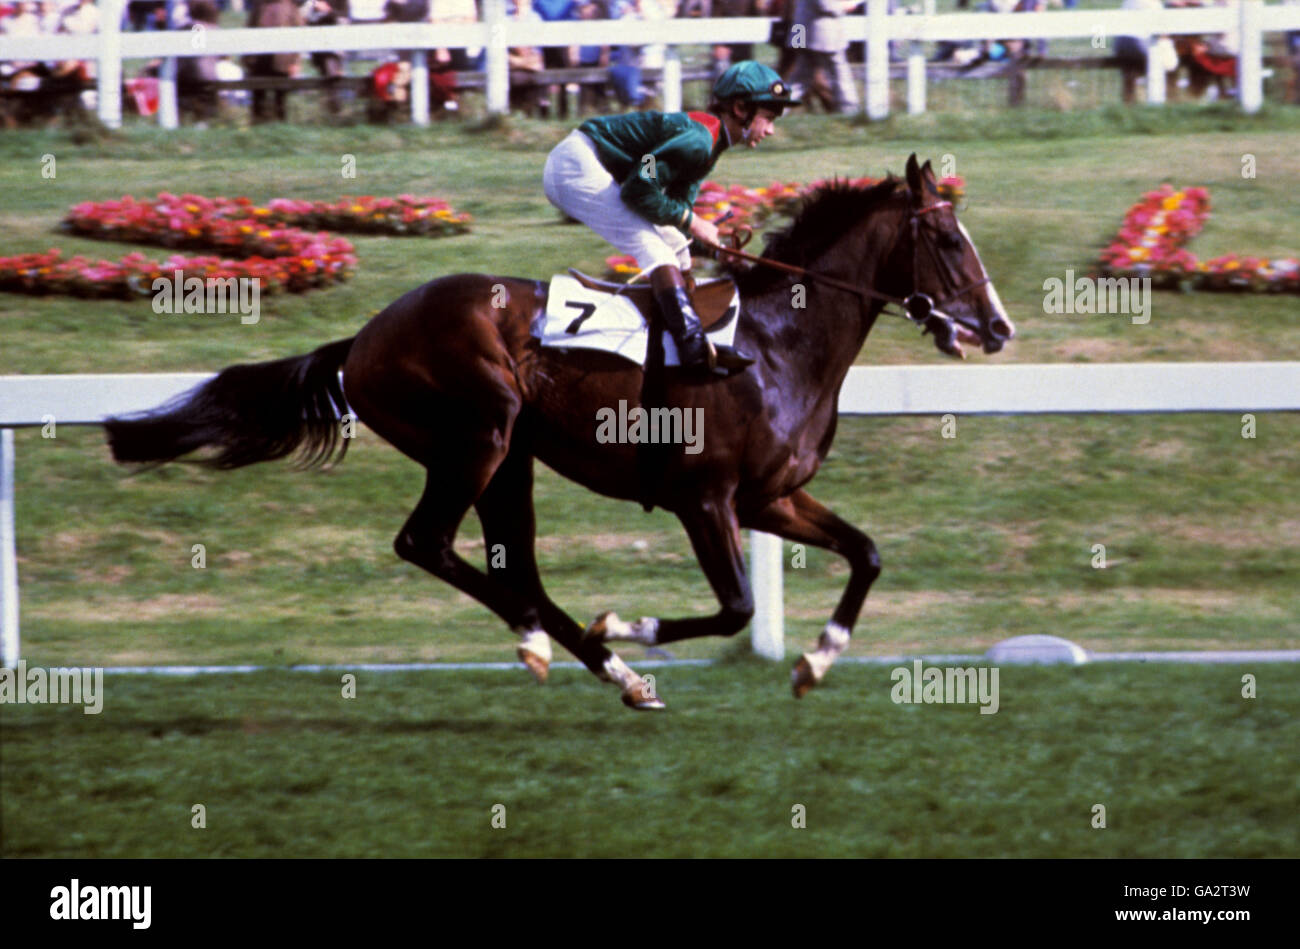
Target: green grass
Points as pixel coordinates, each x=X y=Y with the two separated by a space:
x=984 y=536
x=979 y=540
x=414 y=765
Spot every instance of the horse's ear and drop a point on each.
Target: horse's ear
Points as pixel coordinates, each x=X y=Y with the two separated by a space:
x=914 y=178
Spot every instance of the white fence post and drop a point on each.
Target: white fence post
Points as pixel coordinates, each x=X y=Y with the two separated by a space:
x=169 y=116
x=1250 y=57
x=498 y=66
x=8 y=554
x=877 y=97
x=672 y=81
x=916 y=76
x=1155 y=75
x=768 y=627
x=916 y=80
x=110 y=63
x=420 y=87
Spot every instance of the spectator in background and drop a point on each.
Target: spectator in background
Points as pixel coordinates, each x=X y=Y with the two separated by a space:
x=49 y=16
x=191 y=71
x=1293 y=48
x=654 y=54
x=444 y=63
x=455 y=11
x=555 y=57
x=406 y=11
x=591 y=57
x=625 y=61
x=327 y=64
x=271 y=104
x=146 y=14
x=78 y=20
x=24 y=21
x=1131 y=51
x=783 y=12
x=524 y=62
x=726 y=54
x=820 y=63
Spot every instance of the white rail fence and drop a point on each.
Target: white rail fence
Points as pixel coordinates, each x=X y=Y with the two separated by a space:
x=1245 y=25
x=36 y=400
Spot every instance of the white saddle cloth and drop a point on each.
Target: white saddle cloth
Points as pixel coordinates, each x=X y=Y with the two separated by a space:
x=578 y=317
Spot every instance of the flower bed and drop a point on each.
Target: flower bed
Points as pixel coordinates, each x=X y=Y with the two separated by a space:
x=263 y=242
x=169 y=219
x=1150 y=243
x=755 y=207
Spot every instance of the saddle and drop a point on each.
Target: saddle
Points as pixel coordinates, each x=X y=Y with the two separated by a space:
x=711 y=298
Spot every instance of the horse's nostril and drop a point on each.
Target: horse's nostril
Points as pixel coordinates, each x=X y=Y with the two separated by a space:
x=1003 y=328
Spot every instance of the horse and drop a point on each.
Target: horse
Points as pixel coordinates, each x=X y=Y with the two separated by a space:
x=452 y=376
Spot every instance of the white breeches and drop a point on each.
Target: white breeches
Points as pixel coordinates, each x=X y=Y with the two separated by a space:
x=577 y=183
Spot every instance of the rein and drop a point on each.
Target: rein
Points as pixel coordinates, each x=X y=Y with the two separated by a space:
x=917 y=307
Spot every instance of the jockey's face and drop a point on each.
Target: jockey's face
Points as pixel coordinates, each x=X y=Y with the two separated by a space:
x=764 y=124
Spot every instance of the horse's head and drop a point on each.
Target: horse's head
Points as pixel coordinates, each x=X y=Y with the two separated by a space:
x=935 y=268
x=895 y=242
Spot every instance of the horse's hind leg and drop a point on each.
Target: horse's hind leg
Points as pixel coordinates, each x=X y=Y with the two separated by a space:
x=505 y=510
x=427 y=540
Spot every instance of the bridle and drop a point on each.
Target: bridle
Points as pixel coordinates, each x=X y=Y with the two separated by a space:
x=920 y=308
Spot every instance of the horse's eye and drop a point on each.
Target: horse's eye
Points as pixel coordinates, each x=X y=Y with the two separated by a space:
x=949 y=241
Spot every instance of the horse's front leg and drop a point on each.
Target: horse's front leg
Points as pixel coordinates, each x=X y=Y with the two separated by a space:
x=800 y=518
x=715 y=536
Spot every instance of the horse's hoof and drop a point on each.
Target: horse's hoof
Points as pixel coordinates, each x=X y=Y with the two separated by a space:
x=641 y=698
x=538 y=666
x=802 y=678
x=600 y=626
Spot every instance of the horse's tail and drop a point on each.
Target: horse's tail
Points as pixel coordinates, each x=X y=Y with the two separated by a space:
x=248 y=413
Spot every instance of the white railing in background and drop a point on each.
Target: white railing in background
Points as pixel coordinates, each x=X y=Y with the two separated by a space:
x=1246 y=24
x=1069 y=388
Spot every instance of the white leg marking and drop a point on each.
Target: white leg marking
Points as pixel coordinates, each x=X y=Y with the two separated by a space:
x=643 y=631
x=537 y=642
x=833 y=641
x=620 y=673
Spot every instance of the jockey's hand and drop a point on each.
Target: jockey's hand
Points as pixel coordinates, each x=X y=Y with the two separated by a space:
x=706 y=232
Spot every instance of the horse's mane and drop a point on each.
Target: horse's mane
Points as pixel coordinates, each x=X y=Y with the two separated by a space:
x=822 y=219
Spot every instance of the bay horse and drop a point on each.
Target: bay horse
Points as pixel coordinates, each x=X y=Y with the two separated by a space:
x=452 y=376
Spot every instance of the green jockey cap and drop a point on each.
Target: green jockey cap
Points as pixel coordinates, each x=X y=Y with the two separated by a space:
x=756 y=83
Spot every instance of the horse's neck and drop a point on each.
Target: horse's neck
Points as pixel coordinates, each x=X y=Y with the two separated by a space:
x=816 y=343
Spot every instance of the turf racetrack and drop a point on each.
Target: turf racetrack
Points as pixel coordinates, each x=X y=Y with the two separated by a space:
x=416 y=763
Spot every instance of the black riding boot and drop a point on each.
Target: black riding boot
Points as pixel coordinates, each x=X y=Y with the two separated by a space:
x=679 y=316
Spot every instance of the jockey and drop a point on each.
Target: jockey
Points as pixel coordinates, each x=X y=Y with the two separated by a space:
x=633 y=179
